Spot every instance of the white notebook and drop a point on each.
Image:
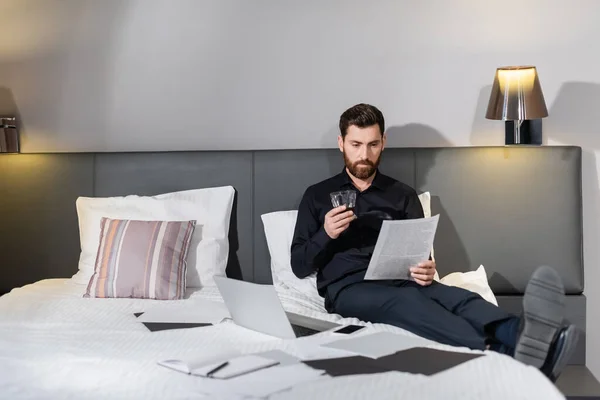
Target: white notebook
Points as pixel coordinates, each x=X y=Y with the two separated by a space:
x=222 y=367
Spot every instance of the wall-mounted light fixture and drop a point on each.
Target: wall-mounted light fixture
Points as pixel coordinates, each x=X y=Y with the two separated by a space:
x=517 y=97
x=9 y=135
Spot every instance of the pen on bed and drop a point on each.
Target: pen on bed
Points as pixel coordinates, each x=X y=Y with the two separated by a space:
x=217 y=369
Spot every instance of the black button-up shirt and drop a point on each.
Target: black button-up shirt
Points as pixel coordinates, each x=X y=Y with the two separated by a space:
x=343 y=261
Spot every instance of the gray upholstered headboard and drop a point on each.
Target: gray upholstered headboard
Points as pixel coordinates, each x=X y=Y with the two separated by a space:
x=508 y=208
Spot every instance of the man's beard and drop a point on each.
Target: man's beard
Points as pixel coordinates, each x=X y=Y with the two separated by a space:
x=362 y=169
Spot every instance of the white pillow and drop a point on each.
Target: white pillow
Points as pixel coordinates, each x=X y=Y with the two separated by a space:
x=279 y=231
x=209 y=207
x=475 y=281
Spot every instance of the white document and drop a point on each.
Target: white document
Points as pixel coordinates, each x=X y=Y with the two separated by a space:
x=281 y=357
x=263 y=383
x=190 y=365
x=378 y=344
x=199 y=311
x=276 y=379
x=401 y=244
x=222 y=367
x=310 y=348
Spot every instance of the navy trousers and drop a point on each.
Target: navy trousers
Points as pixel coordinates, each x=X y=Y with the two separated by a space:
x=438 y=312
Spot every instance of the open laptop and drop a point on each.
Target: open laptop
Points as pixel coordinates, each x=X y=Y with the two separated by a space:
x=257 y=307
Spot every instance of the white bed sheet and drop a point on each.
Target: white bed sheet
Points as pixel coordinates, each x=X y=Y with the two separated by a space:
x=55 y=344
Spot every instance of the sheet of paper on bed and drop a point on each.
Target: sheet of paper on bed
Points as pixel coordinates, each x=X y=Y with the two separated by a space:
x=198 y=311
x=222 y=367
x=190 y=364
x=309 y=348
x=258 y=383
x=401 y=244
x=262 y=383
x=378 y=344
x=281 y=357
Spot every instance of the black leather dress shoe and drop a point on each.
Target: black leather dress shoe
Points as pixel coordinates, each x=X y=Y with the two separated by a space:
x=560 y=352
x=543 y=316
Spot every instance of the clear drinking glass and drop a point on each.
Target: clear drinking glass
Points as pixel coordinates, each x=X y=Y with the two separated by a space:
x=344 y=197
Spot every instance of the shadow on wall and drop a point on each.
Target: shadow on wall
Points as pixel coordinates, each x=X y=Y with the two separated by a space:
x=8 y=107
x=335 y=159
x=60 y=84
x=329 y=138
x=398 y=136
x=447 y=244
x=409 y=135
x=36 y=82
x=415 y=135
x=486 y=132
x=573 y=120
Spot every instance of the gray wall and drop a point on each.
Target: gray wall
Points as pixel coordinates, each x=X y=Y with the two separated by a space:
x=115 y=75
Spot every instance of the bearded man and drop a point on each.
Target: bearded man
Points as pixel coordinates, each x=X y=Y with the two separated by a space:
x=337 y=243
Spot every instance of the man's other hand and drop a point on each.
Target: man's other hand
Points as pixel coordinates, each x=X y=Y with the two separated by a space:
x=337 y=221
x=423 y=273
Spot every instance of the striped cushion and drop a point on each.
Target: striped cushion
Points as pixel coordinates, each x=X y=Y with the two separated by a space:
x=141 y=259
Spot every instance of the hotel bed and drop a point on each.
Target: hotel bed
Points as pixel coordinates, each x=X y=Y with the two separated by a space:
x=57 y=344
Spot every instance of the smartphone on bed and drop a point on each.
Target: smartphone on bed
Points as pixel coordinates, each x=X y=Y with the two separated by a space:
x=349 y=329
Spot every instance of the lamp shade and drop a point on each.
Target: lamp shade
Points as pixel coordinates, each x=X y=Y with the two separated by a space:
x=516 y=95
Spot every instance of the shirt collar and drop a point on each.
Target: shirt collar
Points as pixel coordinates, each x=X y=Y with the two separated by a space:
x=379 y=181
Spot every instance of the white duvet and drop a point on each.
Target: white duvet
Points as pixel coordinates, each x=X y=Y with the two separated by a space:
x=56 y=345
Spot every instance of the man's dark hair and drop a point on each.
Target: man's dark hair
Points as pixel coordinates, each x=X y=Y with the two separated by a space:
x=361 y=115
